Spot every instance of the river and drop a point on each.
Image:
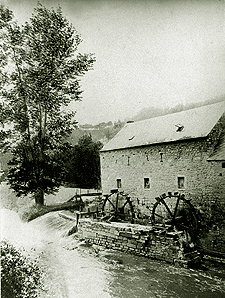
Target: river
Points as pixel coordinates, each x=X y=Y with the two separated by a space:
x=73 y=269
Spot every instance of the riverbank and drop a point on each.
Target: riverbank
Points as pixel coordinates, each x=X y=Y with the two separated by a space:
x=75 y=269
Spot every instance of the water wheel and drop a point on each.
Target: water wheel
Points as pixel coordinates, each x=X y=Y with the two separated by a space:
x=174 y=211
x=118 y=207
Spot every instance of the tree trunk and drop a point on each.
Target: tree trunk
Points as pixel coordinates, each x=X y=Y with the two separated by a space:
x=39 y=197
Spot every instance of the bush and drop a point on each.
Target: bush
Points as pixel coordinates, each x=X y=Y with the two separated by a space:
x=20 y=277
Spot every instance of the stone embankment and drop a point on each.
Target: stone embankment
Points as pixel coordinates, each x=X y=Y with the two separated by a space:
x=152 y=242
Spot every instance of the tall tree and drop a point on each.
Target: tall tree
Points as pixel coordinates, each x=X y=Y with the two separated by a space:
x=83 y=164
x=40 y=77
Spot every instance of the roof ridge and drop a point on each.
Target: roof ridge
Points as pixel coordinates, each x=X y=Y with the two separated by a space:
x=191 y=109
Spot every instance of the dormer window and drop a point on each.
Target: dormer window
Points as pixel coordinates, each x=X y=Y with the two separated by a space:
x=179 y=127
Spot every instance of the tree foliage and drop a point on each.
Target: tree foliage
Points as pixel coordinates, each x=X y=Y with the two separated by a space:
x=20 y=276
x=40 y=70
x=84 y=164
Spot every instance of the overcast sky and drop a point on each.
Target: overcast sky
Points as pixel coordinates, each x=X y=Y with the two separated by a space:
x=149 y=52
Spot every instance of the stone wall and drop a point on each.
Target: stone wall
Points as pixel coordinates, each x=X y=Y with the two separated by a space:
x=139 y=240
x=163 y=164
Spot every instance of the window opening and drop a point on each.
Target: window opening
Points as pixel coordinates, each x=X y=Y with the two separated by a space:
x=146 y=183
x=180 y=181
x=119 y=183
x=223 y=164
x=161 y=156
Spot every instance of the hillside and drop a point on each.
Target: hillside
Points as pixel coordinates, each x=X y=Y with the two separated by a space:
x=151 y=112
x=102 y=132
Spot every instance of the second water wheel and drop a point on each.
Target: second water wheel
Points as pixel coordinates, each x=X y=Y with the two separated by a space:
x=176 y=211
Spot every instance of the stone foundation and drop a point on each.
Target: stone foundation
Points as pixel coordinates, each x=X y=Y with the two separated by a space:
x=147 y=241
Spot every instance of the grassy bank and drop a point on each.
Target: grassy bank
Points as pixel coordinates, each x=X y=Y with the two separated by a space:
x=28 y=210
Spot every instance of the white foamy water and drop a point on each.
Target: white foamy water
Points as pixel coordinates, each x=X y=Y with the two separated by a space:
x=18 y=233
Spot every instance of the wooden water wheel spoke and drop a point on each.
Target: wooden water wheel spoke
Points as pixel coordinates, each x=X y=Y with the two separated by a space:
x=124 y=205
x=127 y=202
x=176 y=207
x=112 y=204
x=159 y=215
x=167 y=208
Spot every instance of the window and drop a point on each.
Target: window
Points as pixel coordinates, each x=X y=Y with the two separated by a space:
x=146 y=183
x=118 y=182
x=180 y=182
x=223 y=164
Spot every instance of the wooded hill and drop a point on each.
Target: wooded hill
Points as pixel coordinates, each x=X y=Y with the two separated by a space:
x=102 y=132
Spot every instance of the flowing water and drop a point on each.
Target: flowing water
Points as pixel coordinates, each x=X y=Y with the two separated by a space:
x=72 y=269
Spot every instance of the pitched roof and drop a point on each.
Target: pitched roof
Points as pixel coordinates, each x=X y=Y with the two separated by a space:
x=189 y=124
x=219 y=154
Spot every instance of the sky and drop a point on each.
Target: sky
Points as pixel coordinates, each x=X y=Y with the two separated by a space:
x=158 y=53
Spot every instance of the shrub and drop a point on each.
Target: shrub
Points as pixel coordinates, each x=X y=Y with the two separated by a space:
x=20 y=277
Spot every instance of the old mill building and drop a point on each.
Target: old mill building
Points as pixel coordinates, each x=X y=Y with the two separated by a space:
x=183 y=152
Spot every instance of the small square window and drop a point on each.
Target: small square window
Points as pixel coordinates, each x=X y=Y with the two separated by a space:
x=146 y=183
x=119 y=183
x=180 y=182
x=223 y=164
